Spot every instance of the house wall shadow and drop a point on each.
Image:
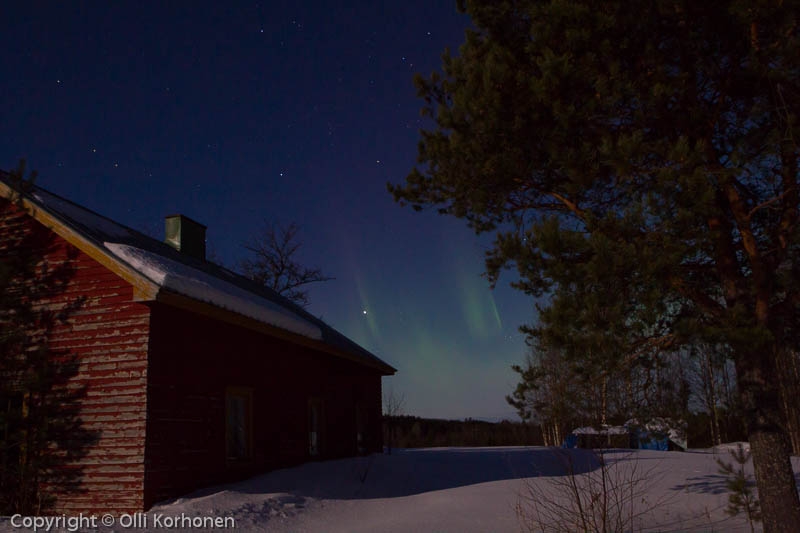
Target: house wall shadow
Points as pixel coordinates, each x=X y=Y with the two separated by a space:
x=413 y=471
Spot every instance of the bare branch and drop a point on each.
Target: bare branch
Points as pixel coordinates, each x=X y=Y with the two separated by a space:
x=767 y=203
x=572 y=206
x=273 y=263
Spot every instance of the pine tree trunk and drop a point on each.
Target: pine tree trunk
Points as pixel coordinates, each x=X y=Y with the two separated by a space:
x=757 y=378
x=790 y=388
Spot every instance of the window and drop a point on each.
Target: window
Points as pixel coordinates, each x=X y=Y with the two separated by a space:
x=315 y=425
x=238 y=423
x=361 y=425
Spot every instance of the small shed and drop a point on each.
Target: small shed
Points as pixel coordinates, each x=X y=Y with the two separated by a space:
x=657 y=434
x=663 y=434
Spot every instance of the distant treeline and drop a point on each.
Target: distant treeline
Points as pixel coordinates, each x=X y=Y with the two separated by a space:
x=730 y=428
x=416 y=432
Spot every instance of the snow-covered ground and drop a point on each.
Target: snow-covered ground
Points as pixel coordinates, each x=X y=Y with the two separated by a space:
x=457 y=490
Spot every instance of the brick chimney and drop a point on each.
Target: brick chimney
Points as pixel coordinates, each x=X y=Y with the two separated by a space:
x=185 y=235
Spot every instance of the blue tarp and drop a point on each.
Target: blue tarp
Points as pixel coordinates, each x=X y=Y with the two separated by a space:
x=647 y=442
x=641 y=438
x=652 y=440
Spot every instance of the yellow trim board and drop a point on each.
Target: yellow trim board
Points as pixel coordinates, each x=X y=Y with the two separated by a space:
x=143 y=288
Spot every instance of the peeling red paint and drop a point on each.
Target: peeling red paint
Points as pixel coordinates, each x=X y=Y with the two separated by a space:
x=109 y=327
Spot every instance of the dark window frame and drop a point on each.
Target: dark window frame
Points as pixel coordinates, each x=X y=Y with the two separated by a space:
x=246 y=455
x=362 y=423
x=316 y=432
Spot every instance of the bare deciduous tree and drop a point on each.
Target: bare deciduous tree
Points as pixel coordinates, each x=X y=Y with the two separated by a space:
x=274 y=262
x=393 y=405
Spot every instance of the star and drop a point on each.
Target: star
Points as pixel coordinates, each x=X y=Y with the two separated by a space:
x=364 y=311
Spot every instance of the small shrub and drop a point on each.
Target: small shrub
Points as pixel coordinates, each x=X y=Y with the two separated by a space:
x=741 y=497
x=609 y=497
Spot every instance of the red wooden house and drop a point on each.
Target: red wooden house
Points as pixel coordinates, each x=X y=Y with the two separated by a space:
x=193 y=375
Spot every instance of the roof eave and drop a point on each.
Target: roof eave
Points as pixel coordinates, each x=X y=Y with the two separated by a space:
x=143 y=288
x=146 y=290
x=186 y=303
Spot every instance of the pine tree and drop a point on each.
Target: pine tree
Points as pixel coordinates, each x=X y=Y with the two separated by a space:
x=40 y=430
x=639 y=164
x=741 y=497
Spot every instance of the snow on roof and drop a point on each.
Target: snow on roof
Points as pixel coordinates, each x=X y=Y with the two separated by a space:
x=196 y=284
x=81 y=215
x=203 y=281
x=606 y=430
x=730 y=447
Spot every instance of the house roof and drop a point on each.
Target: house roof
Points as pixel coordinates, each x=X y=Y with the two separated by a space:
x=158 y=272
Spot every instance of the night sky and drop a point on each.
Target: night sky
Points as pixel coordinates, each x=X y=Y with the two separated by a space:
x=273 y=111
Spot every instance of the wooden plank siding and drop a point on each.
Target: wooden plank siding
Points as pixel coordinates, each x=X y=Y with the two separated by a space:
x=109 y=334
x=194 y=359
